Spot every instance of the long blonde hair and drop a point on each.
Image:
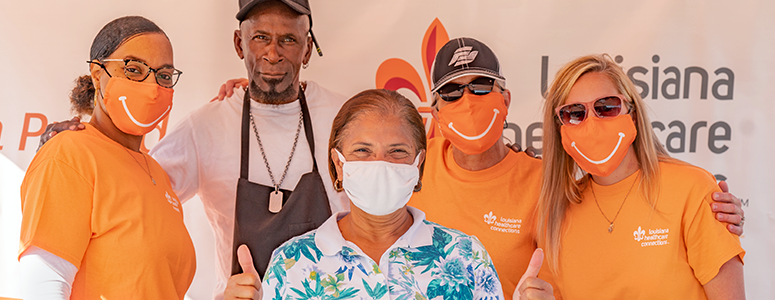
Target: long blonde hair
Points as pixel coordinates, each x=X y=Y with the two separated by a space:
x=561 y=185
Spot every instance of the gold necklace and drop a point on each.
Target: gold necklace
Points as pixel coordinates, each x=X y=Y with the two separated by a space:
x=141 y=166
x=611 y=222
x=127 y=151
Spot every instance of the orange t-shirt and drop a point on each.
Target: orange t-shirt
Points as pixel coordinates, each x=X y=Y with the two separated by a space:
x=663 y=253
x=497 y=205
x=89 y=200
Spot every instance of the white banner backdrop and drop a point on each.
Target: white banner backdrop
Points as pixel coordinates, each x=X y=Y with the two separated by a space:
x=704 y=67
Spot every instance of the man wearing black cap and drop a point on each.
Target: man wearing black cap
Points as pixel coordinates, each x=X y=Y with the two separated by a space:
x=473 y=182
x=252 y=154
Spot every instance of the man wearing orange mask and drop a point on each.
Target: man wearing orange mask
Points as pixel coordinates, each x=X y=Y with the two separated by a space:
x=473 y=181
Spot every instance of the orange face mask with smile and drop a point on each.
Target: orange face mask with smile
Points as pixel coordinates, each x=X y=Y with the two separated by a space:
x=474 y=122
x=136 y=107
x=597 y=145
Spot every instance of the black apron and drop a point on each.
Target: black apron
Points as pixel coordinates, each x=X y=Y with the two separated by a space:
x=304 y=209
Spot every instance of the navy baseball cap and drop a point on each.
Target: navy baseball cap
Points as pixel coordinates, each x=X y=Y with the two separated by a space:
x=464 y=56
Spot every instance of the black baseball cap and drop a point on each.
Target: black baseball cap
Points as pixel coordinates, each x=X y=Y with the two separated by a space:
x=300 y=6
x=464 y=56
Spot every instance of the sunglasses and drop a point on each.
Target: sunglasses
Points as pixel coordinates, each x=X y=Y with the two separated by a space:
x=452 y=91
x=606 y=107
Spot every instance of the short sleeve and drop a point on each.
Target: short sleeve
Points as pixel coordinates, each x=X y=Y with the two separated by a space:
x=177 y=155
x=56 y=210
x=708 y=243
x=487 y=285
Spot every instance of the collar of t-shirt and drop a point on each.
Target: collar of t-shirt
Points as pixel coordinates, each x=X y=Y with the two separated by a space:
x=329 y=239
x=259 y=109
x=504 y=166
x=618 y=189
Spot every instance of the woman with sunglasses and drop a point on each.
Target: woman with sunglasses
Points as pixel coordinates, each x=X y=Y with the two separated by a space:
x=99 y=217
x=619 y=218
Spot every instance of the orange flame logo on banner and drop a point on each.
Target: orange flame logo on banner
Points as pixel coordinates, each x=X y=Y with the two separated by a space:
x=396 y=73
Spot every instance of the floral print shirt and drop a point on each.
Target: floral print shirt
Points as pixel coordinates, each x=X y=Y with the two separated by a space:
x=428 y=262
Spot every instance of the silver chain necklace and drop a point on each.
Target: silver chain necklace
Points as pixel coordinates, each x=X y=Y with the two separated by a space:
x=276 y=197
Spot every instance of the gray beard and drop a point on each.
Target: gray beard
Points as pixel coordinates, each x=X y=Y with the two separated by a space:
x=272 y=96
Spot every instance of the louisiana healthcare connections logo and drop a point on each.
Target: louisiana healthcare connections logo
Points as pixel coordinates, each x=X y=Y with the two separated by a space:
x=638 y=234
x=395 y=73
x=489 y=218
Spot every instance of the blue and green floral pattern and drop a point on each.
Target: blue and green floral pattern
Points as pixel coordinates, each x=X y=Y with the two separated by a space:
x=428 y=262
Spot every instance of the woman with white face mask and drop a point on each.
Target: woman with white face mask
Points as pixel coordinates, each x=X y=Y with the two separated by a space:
x=619 y=218
x=380 y=247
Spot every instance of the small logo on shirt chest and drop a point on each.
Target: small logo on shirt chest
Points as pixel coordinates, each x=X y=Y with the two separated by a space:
x=654 y=237
x=507 y=225
x=172 y=201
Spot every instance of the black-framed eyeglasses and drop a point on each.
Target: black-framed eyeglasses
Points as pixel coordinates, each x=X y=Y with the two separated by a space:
x=453 y=91
x=138 y=71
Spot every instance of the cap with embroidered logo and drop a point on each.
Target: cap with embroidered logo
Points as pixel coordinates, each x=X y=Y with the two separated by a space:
x=464 y=56
x=300 y=6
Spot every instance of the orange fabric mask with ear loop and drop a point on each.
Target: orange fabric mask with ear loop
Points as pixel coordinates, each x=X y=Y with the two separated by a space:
x=599 y=145
x=136 y=107
x=473 y=123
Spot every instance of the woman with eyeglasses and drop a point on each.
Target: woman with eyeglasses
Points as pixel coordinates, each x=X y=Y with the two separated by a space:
x=100 y=219
x=618 y=217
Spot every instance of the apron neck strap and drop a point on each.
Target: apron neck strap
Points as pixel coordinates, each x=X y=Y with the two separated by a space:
x=308 y=128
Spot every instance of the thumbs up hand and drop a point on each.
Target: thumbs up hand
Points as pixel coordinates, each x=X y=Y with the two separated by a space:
x=530 y=286
x=246 y=285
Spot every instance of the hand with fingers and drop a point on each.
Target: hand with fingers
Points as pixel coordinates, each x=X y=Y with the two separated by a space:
x=227 y=89
x=530 y=286
x=53 y=129
x=728 y=209
x=246 y=285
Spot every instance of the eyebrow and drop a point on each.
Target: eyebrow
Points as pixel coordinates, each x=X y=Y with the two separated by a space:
x=399 y=144
x=289 y=34
x=145 y=62
x=363 y=143
x=391 y=145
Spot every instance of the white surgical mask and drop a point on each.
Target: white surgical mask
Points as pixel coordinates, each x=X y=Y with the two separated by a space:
x=379 y=187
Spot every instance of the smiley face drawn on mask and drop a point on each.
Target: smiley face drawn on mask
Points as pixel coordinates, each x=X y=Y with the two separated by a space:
x=128 y=113
x=471 y=138
x=597 y=162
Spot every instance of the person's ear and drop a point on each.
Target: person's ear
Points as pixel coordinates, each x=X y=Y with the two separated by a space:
x=338 y=163
x=421 y=158
x=95 y=71
x=435 y=107
x=506 y=97
x=238 y=43
x=308 y=52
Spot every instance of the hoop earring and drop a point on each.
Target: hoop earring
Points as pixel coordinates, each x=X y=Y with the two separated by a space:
x=94 y=99
x=418 y=187
x=338 y=185
x=505 y=124
x=305 y=65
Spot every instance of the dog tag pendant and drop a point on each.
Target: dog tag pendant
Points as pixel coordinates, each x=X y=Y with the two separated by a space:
x=275 y=201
